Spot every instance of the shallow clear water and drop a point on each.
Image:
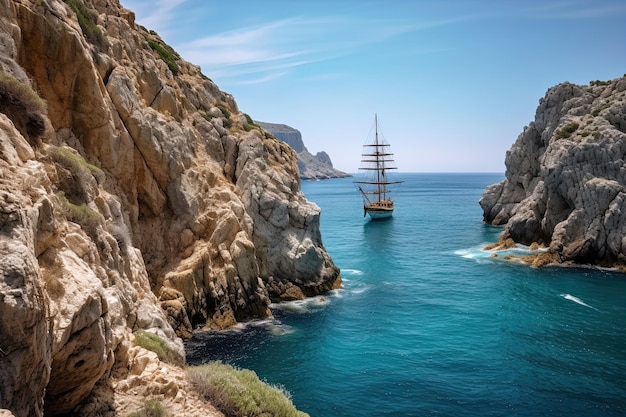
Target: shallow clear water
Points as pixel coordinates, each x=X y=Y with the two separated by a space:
x=427 y=324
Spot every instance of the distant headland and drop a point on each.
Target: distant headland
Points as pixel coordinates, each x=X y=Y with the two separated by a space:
x=312 y=167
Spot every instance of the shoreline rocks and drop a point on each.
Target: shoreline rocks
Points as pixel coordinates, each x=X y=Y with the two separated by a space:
x=565 y=185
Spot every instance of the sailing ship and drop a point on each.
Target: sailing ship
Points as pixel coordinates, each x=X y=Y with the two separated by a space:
x=376 y=161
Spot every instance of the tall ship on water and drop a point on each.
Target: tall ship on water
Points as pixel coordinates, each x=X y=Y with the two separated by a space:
x=376 y=162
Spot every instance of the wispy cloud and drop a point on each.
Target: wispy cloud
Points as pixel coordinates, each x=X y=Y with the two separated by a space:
x=155 y=14
x=274 y=49
x=256 y=53
x=568 y=10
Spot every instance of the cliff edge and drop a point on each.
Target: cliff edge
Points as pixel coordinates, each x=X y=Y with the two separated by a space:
x=311 y=167
x=565 y=186
x=134 y=198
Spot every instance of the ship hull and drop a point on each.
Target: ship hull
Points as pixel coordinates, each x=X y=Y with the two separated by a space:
x=379 y=210
x=379 y=214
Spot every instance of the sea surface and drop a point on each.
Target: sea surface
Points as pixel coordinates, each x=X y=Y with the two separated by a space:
x=429 y=324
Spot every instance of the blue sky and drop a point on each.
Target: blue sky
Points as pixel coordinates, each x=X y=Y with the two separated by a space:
x=453 y=82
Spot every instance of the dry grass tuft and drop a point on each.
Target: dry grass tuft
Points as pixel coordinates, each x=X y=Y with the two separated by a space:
x=240 y=392
x=22 y=105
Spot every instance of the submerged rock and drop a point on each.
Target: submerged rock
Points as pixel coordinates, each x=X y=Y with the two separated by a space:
x=565 y=185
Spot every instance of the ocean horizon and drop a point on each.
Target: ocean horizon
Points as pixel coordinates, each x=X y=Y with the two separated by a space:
x=428 y=323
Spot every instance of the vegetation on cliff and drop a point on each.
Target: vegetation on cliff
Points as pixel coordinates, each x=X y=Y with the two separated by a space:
x=88 y=20
x=130 y=220
x=240 y=392
x=22 y=105
x=565 y=186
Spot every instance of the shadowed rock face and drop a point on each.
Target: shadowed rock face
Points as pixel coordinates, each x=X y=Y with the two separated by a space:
x=566 y=176
x=133 y=199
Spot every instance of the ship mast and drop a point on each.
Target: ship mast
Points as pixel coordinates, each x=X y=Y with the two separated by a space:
x=379 y=160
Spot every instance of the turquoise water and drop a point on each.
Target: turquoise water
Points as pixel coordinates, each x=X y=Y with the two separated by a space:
x=427 y=324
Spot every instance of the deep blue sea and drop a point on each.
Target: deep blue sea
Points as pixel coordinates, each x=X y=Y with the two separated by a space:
x=428 y=324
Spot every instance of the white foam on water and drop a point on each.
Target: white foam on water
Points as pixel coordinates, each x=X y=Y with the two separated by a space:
x=242 y=326
x=281 y=329
x=338 y=293
x=577 y=301
x=349 y=271
x=302 y=306
x=479 y=253
x=359 y=290
x=272 y=325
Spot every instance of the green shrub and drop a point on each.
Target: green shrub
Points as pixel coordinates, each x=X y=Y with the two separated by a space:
x=76 y=163
x=22 y=105
x=567 y=130
x=597 y=110
x=223 y=109
x=80 y=214
x=227 y=122
x=88 y=21
x=152 y=408
x=598 y=82
x=239 y=392
x=167 y=54
x=154 y=343
x=250 y=123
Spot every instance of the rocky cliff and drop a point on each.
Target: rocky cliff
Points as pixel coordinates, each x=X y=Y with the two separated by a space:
x=311 y=167
x=133 y=197
x=565 y=186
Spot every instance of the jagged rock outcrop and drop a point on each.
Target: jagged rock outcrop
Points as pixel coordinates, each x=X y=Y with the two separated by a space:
x=565 y=185
x=311 y=167
x=131 y=198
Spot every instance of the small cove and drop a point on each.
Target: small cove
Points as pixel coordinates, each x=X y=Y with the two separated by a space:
x=428 y=324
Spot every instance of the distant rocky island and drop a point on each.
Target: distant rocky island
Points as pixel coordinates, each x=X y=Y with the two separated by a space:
x=565 y=186
x=312 y=167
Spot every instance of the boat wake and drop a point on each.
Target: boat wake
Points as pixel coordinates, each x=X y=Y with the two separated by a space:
x=577 y=301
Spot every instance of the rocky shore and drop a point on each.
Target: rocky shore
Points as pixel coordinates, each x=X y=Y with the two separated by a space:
x=565 y=185
x=134 y=196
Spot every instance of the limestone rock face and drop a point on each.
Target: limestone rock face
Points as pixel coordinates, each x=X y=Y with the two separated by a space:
x=25 y=350
x=287 y=238
x=287 y=134
x=311 y=167
x=131 y=198
x=566 y=176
